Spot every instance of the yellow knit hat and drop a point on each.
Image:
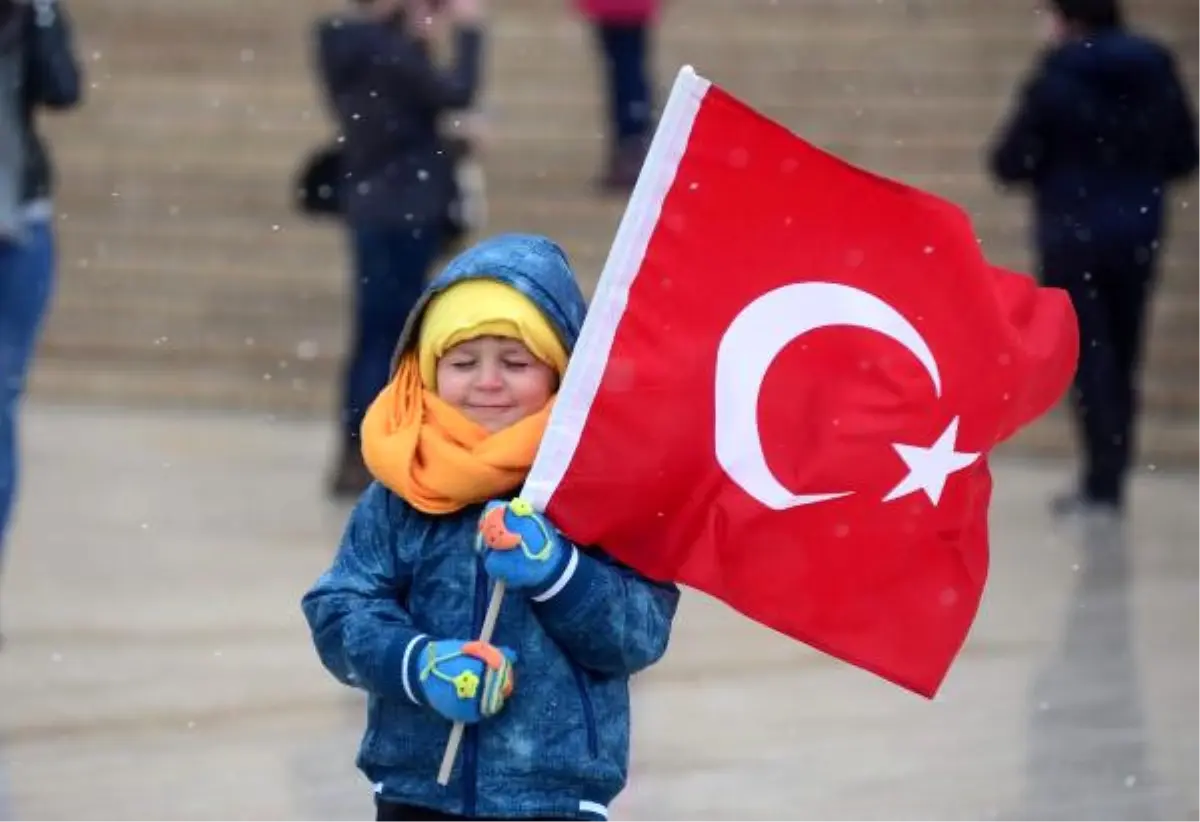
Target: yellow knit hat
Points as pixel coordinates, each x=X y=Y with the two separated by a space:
x=481 y=307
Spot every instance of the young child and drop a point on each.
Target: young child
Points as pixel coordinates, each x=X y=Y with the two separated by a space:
x=449 y=440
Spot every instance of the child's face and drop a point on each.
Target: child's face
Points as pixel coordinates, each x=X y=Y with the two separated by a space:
x=494 y=381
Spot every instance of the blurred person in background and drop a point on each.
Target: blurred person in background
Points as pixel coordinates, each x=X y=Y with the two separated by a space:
x=38 y=69
x=623 y=31
x=397 y=174
x=1100 y=128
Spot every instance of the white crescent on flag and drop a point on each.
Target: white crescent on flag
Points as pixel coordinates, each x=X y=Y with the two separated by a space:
x=752 y=342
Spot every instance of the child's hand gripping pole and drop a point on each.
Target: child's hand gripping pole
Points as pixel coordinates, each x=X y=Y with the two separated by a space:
x=494 y=535
x=456 y=732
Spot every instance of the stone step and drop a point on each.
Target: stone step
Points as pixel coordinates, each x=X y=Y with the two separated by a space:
x=257 y=40
x=273 y=238
x=773 y=88
x=1164 y=443
x=156 y=224
x=880 y=120
x=952 y=168
x=276 y=239
x=301 y=258
x=278 y=23
x=269 y=311
x=308 y=331
x=313 y=357
x=314 y=363
x=694 y=12
x=308 y=325
x=166 y=387
x=121 y=280
x=295 y=251
x=298 y=251
x=195 y=283
x=216 y=223
x=830 y=67
x=520 y=86
x=276 y=323
x=512 y=153
x=279 y=241
x=191 y=327
x=279 y=325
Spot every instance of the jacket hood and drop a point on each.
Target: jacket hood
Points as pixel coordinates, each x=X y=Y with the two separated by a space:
x=534 y=265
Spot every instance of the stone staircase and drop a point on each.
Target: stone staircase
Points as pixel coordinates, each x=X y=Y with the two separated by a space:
x=187 y=281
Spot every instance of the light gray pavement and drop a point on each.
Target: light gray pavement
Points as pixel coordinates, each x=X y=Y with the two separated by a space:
x=157 y=665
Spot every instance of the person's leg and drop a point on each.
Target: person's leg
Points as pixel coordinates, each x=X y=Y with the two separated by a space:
x=365 y=374
x=368 y=269
x=1093 y=395
x=1127 y=287
x=391 y=265
x=405 y=257
x=26 y=283
x=606 y=45
x=632 y=103
x=626 y=52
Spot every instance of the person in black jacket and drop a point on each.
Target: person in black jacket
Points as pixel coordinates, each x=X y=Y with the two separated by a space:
x=37 y=69
x=397 y=174
x=1100 y=129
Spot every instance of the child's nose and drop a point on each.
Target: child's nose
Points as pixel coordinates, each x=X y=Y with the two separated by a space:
x=489 y=376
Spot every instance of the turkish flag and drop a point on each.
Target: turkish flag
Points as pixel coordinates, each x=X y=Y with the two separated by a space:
x=786 y=388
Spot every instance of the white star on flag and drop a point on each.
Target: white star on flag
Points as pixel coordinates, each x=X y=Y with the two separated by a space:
x=929 y=467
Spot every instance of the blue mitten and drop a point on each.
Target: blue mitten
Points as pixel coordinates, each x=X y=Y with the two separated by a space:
x=522 y=548
x=464 y=681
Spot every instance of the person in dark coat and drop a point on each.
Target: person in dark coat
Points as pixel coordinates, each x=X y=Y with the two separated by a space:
x=397 y=174
x=1100 y=129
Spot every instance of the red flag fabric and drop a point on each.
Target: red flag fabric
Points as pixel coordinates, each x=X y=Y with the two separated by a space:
x=786 y=388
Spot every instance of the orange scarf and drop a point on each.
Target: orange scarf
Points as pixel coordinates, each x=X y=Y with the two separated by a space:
x=429 y=453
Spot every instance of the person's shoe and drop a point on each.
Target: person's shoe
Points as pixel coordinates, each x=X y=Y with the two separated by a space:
x=1076 y=504
x=351 y=477
x=624 y=166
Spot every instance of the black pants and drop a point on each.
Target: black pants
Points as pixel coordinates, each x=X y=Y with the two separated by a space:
x=394 y=812
x=626 y=52
x=1109 y=291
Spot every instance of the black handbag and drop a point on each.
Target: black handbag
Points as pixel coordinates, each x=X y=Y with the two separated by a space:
x=316 y=190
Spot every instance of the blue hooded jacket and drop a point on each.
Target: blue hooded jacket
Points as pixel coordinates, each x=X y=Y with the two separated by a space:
x=560 y=747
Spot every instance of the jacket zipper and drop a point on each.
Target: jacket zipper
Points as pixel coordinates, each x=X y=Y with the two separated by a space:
x=470 y=770
x=589 y=715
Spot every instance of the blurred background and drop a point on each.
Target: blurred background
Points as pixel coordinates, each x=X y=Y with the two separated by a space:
x=188 y=280
x=181 y=417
